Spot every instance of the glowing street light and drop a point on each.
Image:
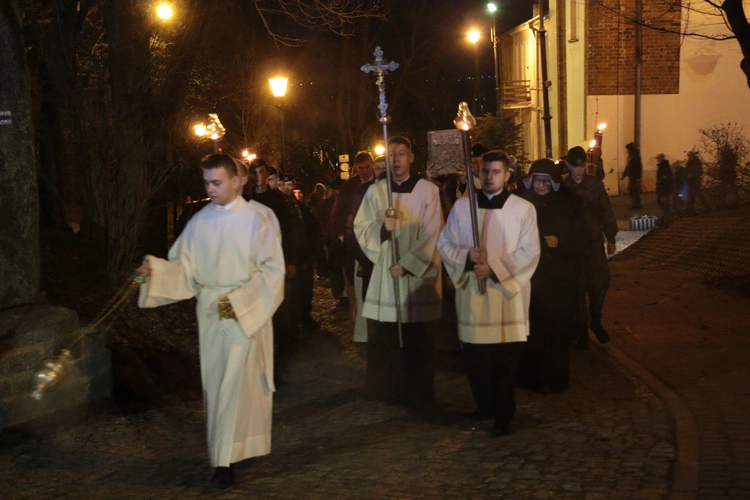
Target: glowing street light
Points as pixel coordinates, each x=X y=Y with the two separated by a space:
x=214 y=130
x=492 y=8
x=278 y=88
x=164 y=11
x=473 y=36
x=247 y=155
x=379 y=150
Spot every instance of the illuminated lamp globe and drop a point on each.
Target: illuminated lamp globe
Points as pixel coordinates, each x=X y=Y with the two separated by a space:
x=164 y=11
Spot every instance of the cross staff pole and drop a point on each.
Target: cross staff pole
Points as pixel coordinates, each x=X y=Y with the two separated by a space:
x=380 y=67
x=465 y=121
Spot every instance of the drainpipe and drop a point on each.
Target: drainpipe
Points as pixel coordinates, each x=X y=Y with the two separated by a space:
x=562 y=76
x=545 y=85
x=638 y=65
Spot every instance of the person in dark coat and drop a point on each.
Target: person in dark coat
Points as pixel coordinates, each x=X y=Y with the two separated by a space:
x=694 y=171
x=285 y=320
x=563 y=237
x=634 y=172
x=663 y=185
x=602 y=225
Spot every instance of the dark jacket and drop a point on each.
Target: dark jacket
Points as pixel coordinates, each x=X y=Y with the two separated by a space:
x=663 y=178
x=554 y=285
x=634 y=167
x=596 y=208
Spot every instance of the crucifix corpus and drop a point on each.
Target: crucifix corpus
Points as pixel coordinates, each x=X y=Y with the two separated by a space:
x=380 y=68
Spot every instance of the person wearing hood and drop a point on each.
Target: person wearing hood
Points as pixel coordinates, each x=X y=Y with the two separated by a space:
x=554 y=285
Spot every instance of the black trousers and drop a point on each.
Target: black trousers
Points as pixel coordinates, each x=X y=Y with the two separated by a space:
x=491 y=370
x=285 y=327
x=594 y=284
x=545 y=365
x=400 y=375
x=306 y=283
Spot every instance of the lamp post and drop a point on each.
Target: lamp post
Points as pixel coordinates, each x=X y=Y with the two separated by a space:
x=473 y=37
x=492 y=8
x=278 y=88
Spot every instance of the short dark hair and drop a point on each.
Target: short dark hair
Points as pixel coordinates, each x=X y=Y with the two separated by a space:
x=288 y=178
x=496 y=155
x=380 y=158
x=257 y=163
x=362 y=157
x=399 y=139
x=218 y=160
x=272 y=170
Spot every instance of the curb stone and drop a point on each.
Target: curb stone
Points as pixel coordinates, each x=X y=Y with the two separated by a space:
x=685 y=479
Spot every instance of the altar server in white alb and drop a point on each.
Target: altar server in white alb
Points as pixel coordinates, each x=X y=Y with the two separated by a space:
x=393 y=374
x=492 y=327
x=231 y=251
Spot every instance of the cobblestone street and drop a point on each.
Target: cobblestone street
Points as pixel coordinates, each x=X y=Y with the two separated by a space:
x=607 y=437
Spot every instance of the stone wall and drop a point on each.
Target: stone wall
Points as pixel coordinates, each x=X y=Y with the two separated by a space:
x=28 y=335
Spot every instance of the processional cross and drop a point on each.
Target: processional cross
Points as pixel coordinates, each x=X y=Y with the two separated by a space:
x=381 y=67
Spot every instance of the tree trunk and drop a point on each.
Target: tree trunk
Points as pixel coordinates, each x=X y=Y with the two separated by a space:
x=738 y=22
x=19 y=199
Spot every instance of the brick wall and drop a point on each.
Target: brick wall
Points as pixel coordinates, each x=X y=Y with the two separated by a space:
x=611 y=46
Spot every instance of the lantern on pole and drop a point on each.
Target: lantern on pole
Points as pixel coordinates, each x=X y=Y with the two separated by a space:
x=465 y=122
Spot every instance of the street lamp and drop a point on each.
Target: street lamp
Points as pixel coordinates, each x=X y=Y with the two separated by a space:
x=164 y=11
x=379 y=150
x=278 y=88
x=213 y=130
x=492 y=8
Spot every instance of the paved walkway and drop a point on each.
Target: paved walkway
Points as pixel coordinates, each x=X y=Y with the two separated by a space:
x=662 y=412
x=695 y=340
x=608 y=437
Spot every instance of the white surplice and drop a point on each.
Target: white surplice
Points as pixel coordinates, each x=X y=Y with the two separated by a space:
x=234 y=251
x=512 y=242
x=419 y=224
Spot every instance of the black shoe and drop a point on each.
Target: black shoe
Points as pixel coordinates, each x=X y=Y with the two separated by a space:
x=479 y=415
x=601 y=334
x=223 y=477
x=501 y=427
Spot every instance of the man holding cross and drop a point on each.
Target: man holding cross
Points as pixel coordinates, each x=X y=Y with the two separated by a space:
x=394 y=373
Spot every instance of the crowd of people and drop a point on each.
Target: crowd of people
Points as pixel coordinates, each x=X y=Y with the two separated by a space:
x=400 y=259
x=679 y=185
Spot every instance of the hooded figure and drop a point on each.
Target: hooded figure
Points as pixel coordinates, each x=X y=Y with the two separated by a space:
x=554 y=287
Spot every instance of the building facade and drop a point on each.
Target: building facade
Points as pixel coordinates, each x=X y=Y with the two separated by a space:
x=688 y=79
